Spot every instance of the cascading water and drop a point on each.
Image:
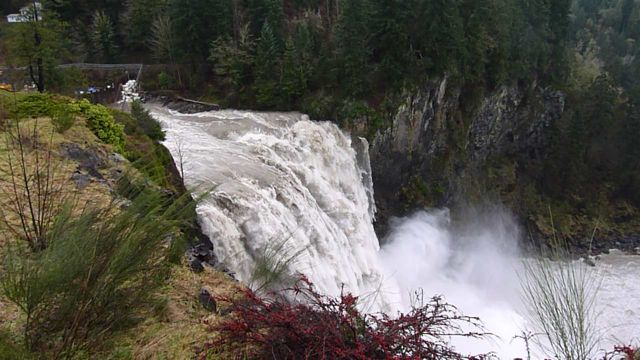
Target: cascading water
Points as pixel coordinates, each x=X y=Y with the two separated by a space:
x=282 y=185
x=279 y=183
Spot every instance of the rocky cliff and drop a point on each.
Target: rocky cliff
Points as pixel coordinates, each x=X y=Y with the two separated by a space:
x=450 y=146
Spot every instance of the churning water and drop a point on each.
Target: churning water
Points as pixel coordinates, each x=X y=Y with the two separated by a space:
x=279 y=183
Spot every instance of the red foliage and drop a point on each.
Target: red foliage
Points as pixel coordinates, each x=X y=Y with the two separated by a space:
x=320 y=327
x=625 y=352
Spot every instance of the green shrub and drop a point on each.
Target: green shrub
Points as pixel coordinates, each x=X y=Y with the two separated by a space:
x=61 y=110
x=318 y=106
x=273 y=265
x=354 y=110
x=560 y=297
x=102 y=124
x=165 y=81
x=35 y=105
x=12 y=351
x=130 y=126
x=67 y=80
x=63 y=121
x=150 y=126
x=99 y=271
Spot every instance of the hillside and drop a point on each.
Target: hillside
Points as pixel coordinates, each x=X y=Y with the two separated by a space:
x=86 y=173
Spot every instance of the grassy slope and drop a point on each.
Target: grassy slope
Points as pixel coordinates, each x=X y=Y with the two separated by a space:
x=173 y=327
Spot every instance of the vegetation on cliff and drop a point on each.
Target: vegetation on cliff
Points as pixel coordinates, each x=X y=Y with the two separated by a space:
x=92 y=247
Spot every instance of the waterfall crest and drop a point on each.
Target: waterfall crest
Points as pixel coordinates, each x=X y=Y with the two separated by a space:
x=279 y=182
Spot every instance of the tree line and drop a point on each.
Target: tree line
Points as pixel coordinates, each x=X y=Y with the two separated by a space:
x=594 y=154
x=288 y=54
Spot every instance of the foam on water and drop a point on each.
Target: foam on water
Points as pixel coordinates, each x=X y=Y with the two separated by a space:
x=278 y=178
x=275 y=178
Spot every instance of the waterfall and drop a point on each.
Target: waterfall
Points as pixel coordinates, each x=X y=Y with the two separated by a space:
x=279 y=185
x=282 y=185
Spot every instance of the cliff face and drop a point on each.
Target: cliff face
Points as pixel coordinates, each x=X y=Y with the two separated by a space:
x=447 y=145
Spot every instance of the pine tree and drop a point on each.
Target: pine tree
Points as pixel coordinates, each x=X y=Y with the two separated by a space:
x=294 y=74
x=137 y=21
x=478 y=39
x=266 y=11
x=233 y=61
x=266 y=69
x=103 y=38
x=353 y=50
x=391 y=40
x=439 y=35
x=162 y=43
x=199 y=22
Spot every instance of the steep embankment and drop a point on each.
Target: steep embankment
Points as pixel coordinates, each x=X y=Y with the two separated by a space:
x=88 y=172
x=451 y=146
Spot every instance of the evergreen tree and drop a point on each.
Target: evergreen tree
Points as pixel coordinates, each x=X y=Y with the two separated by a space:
x=103 y=38
x=391 y=41
x=262 y=11
x=137 y=21
x=626 y=12
x=353 y=51
x=233 y=61
x=39 y=46
x=163 y=43
x=438 y=35
x=198 y=22
x=558 y=26
x=478 y=40
x=266 y=69
x=294 y=74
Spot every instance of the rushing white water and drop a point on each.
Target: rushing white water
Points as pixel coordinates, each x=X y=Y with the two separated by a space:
x=475 y=265
x=282 y=183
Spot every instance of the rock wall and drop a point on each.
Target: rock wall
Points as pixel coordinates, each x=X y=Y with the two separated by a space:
x=447 y=145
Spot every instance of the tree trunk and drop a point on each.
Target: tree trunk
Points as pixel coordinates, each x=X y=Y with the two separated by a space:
x=38 y=41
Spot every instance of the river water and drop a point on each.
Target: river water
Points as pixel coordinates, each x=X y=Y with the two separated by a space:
x=281 y=189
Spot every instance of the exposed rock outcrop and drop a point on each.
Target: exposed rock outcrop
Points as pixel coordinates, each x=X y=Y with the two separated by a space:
x=447 y=144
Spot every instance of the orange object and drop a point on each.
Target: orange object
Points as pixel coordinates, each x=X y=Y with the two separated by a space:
x=6 y=87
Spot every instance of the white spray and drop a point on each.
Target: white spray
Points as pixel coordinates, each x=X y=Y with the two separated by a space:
x=277 y=178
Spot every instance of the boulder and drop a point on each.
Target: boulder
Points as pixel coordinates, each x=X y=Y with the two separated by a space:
x=89 y=160
x=207 y=300
x=200 y=255
x=81 y=180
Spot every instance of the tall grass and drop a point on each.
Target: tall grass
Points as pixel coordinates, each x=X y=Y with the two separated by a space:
x=99 y=270
x=272 y=266
x=560 y=296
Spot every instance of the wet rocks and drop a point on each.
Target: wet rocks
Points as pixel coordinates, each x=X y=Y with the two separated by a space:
x=117 y=158
x=81 y=180
x=447 y=137
x=89 y=160
x=207 y=300
x=179 y=103
x=188 y=106
x=201 y=255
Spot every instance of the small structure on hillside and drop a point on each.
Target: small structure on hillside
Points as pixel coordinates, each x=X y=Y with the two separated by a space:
x=27 y=13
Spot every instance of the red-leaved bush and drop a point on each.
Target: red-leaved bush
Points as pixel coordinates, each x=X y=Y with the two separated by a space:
x=299 y=323
x=622 y=352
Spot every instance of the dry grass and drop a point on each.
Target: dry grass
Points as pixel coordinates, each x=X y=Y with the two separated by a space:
x=94 y=194
x=181 y=329
x=179 y=326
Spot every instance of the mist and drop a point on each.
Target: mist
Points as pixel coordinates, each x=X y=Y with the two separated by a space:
x=472 y=263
